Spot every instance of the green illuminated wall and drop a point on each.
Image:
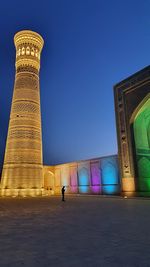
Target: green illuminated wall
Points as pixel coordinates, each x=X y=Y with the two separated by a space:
x=142 y=144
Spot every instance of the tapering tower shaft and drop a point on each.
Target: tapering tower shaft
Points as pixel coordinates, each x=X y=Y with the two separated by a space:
x=23 y=164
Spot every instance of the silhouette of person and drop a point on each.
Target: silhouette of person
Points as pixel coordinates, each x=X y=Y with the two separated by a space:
x=63 y=193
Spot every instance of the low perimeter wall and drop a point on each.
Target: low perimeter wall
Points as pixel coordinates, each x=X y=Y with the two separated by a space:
x=94 y=176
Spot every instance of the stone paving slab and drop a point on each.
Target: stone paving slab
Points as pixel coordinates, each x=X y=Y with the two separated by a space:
x=79 y=232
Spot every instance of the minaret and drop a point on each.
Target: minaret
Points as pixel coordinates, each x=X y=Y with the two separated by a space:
x=23 y=164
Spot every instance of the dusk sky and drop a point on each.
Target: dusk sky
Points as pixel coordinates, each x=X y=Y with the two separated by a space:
x=90 y=45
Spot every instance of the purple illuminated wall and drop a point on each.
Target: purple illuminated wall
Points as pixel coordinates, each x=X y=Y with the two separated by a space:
x=96 y=185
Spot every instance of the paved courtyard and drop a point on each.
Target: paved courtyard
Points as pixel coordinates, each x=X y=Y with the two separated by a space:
x=83 y=231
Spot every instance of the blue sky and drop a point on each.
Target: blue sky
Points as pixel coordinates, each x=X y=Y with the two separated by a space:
x=90 y=45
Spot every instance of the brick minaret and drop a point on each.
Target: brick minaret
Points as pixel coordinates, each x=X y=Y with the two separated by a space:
x=23 y=164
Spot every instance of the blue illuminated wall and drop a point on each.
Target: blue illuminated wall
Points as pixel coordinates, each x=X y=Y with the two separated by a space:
x=84 y=177
x=110 y=175
x=94 y=176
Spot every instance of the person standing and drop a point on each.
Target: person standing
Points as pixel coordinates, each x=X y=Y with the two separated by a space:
x=63 y=193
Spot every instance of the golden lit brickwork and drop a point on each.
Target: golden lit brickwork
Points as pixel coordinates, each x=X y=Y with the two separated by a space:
x=23 y=163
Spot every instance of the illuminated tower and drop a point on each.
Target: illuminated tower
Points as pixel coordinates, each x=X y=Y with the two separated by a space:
x=23 y=164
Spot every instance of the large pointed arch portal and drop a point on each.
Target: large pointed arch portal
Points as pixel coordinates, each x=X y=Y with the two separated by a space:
x=132 y=104
x=141 y=128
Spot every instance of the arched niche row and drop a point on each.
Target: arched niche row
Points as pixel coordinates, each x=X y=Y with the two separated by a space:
x=28 y=50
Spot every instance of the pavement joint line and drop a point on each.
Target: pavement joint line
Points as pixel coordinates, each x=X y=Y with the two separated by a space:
x=79 y=195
